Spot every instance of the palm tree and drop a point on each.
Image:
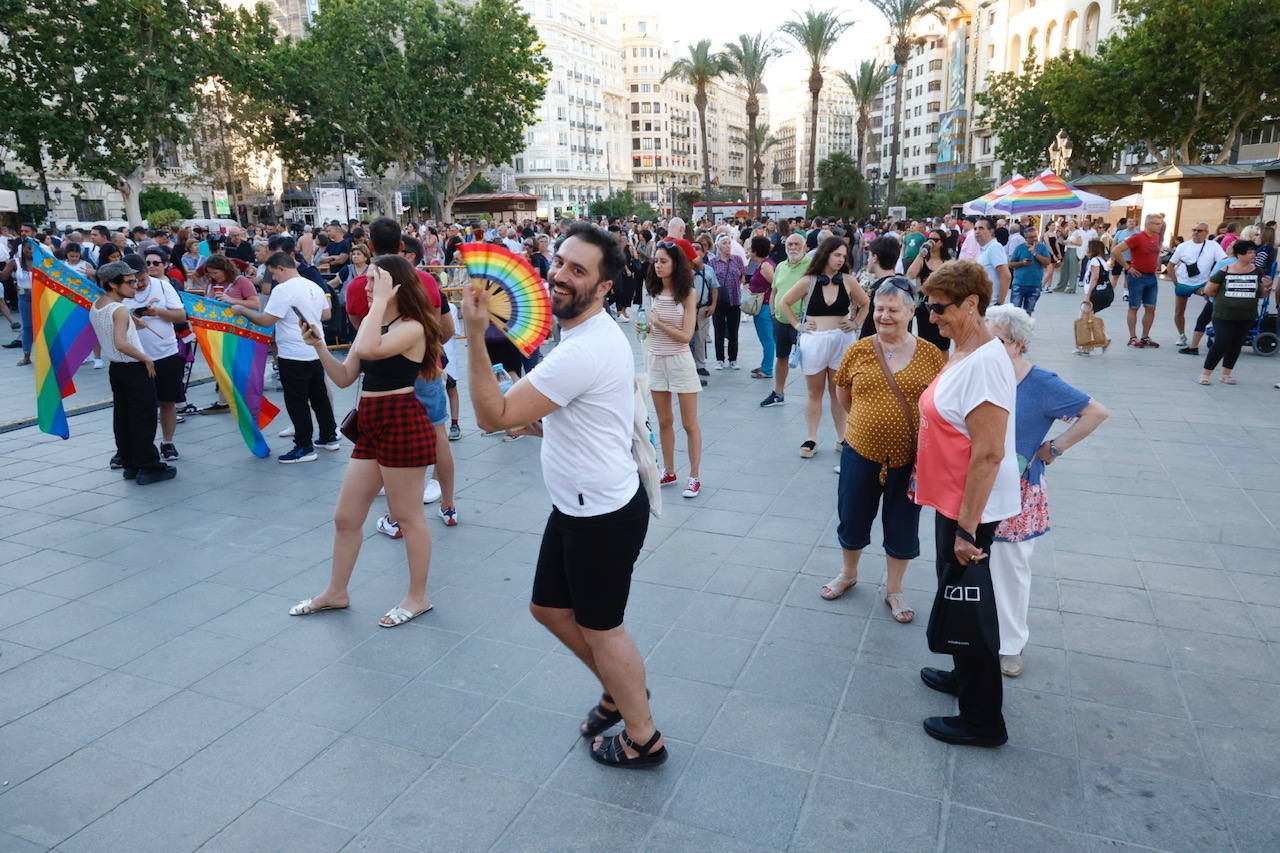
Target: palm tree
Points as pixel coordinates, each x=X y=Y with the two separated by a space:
x=815 y=33
x=700 y=69
x=760 y=142
x=865 y=86
x=903 y=15
x=747 y=58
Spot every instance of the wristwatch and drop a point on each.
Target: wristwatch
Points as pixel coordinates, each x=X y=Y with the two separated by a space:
x=1054 y=451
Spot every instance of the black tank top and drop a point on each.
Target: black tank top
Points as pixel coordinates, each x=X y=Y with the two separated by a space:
x=818 y=306
x=390 y=373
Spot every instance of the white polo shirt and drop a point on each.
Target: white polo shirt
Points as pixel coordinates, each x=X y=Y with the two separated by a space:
x=309 y=299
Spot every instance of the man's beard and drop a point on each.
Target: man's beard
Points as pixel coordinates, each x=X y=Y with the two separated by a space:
x=577 y=303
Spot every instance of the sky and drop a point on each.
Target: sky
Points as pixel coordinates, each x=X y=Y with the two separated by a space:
x=690 y=22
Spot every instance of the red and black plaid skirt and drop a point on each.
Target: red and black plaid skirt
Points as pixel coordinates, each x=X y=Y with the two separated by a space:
x=395 y=430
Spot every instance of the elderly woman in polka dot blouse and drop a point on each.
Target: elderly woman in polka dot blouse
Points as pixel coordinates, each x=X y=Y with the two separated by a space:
x=880 y=380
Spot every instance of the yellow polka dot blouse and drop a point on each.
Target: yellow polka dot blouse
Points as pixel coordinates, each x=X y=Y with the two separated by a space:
x=877 y=426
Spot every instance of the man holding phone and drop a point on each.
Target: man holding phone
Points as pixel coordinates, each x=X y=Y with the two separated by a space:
x=158 y=306
x=294 y=301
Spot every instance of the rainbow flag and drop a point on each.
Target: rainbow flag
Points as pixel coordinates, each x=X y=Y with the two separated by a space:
x=236 y=350
x=62 y=336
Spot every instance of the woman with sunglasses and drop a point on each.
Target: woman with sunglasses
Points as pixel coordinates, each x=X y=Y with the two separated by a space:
x=966 y=469
x=832 y=302
x=671 y=367
x=933 y=254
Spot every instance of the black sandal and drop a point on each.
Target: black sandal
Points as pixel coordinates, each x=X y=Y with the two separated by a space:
x=612 y=753
x=600 y=719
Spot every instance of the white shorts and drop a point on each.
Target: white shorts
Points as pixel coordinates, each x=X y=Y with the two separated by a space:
x=821 y=351
x=675 y=373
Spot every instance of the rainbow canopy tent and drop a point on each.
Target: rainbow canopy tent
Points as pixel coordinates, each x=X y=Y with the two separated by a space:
x=1049 y=194
x=982 y=204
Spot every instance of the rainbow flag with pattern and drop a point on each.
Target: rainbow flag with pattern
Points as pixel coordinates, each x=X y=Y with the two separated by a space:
x=236 y=351
x=62 y=337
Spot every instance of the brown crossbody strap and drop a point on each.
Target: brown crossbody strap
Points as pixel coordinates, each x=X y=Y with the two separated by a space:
x=893 y=386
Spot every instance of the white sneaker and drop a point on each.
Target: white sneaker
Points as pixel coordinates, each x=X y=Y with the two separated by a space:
x=719 y=365
x=287 y=432
x=733 y=365
x=693 y=488
x=623 y=318
x=389 y=527
x=1182 y=340
x=431 y=493
x=98 y=364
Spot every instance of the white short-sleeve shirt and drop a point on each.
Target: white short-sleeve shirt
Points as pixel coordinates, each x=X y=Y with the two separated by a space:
x=309 y=299
x=586 y=444
x=158 y=338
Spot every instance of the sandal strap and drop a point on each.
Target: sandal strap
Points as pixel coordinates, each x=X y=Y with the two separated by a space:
x=643 y=750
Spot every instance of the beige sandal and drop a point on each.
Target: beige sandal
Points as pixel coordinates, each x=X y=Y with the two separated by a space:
x=837 y=587
x=899 y=607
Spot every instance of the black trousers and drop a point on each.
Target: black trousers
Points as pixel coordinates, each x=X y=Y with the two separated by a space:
x=1228 y=338
x=304 y=391
x=979 y=688
x=133 y=414
x=725 y=322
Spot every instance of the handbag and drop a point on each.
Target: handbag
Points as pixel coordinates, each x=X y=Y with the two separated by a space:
x=752 y=303
x=796 y=360
x=350 y=426
x=902 y=401
x=1090 y=330
x=644 y=447
x=963 y=620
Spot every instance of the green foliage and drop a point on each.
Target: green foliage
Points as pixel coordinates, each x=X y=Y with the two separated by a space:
x=843 y=191
x=167 y=216
x=158 y=198
x=865 y=86
x=920 y=201
x=622 y=205
x=480 y=184
x=815 y=34
x=700 y=69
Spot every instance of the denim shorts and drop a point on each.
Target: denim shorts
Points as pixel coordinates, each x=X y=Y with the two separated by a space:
x=1143 y=288
x=430 y=393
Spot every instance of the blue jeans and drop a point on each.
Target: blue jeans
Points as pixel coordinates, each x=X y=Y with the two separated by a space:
x=858 y=498
x=1025 y=299
x=24 y=310
x=764 y=331
x=1143 y=288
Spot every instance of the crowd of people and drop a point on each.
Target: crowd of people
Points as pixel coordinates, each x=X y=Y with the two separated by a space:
x=916 y=333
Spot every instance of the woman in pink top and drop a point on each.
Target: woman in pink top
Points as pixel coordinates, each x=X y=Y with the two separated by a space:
x=226 y=284
x=966 y=469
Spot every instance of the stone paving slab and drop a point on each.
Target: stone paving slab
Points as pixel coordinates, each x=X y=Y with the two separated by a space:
x=154 y=695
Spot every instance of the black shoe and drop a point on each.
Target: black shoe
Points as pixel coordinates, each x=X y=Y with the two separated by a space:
x=13 y=344
x=131 y=473
x=955 y=730
x=940 y=680
x=116 y=462
x=703 y=381
x=147 y=476
x=1190 y=351
x=702 y=371
x=168 y=452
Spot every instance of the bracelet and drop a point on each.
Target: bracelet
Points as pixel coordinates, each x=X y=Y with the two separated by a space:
x=965 y=535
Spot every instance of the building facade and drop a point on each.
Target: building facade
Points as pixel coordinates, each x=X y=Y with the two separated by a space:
x=837 y=130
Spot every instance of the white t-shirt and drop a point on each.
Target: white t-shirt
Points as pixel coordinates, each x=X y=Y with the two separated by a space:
x=158 y=338
x=303 y=294
x=586 y=445
x=986 y=376
x=1079 y=241
x=1205 y=255
x=991 y=256
x=1015 y=240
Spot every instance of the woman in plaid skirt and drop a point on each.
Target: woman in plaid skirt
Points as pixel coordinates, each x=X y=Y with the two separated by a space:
x=395 y=441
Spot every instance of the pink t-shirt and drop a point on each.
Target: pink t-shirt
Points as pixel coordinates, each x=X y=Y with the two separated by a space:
x=969 y=248
x=241 y=288
x=944 y=449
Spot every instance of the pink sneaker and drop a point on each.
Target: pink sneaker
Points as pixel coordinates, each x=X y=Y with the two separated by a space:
x=692 y=489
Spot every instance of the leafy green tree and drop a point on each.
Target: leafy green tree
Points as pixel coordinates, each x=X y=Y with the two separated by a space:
x=865 y=86
x=843 y=191
x=622 y=205
x=167 y=216
x=816 y=34
x=747 y=59
x=479 y=184
x=152 y=199
x=903 y=16
x=700 y=69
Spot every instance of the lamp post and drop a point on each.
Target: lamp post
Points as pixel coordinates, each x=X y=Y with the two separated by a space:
x=342 y=161
x=57 y=202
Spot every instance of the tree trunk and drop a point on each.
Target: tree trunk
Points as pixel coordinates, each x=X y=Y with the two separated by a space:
x=815 y=87
x=131 y=187
x=700 y=101
x=757 y=169
x=864 y=121
x=753 y=111
x=900 y=56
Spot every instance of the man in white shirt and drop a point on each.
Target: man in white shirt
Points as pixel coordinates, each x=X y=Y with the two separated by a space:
x=584 y=395
x=511 y=239
x=1189 y=268
x=993 y=258
x=159 y=306
x=301 y=374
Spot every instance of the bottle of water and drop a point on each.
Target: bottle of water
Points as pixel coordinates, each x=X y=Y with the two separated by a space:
x=642 y=322
x=504 y=379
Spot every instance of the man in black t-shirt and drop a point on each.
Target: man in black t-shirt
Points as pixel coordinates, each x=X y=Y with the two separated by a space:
x=338 y=252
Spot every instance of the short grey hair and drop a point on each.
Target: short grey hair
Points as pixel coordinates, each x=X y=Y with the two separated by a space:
x=1014 y=320
x=890 y=289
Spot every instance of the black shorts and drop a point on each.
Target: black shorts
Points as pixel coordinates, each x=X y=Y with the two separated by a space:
x=1116 y=269
x=585 y=564
x=784 y=335
x=449 y=382
x=169 y=375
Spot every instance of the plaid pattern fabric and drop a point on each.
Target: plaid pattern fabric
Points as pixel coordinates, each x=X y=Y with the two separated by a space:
x=395 y=431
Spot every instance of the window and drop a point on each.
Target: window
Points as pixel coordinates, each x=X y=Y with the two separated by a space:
x=934 y=106
x=635 y=87
x=935 y=64
x=935 y=85
x=90 y=209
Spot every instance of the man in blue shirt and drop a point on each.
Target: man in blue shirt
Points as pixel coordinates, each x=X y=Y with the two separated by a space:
x=1028 y=274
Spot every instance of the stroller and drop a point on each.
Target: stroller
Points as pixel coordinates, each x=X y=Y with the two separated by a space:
x=1264 y=337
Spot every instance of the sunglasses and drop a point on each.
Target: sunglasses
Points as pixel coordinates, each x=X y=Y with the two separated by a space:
x=940 y=307
x=155 y=263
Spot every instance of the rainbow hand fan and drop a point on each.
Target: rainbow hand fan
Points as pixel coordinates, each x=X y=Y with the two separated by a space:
x=519 y=303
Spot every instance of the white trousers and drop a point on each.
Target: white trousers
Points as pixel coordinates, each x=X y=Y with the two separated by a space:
x=1011 y=582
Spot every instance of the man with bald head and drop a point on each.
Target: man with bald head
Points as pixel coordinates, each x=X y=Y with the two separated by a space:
x=785 y=275
x=1140 y=276
x=1189 y=269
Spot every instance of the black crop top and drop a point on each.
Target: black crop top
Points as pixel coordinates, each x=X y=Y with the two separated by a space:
x=818 y=306
x=390 y=373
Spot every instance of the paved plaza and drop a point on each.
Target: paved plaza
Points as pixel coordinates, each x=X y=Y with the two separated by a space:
x=154 y=695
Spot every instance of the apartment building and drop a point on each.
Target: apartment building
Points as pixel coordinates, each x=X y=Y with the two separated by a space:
x=837 y=130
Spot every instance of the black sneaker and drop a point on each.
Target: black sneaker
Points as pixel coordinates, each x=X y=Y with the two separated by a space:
x=168 y=452
x=147 y=476
x=131 y=473
x=116 y=462
x=330 y=443
x=702 y=371
x=13 y=344
x=774 y=399
x=1190 y=351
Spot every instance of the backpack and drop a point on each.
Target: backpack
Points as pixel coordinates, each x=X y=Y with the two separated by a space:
x=703 y=287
